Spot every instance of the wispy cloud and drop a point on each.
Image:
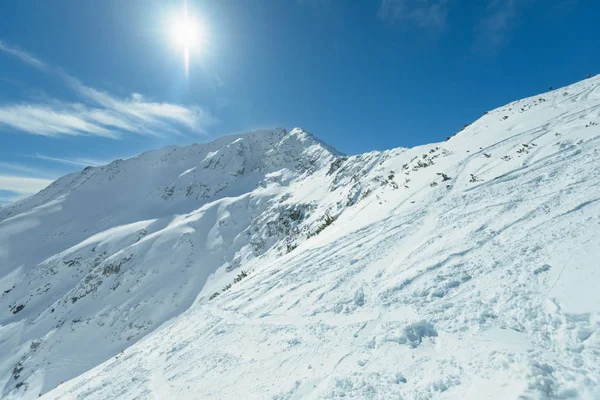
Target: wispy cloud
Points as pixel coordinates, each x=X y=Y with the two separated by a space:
x=78 y=162
x=500 y=19
x=23 y=56
x=11 y=168
x=7 y=199
x=99 y=113
x=22 y=185
x=41 y=119
x=431 y=14
x=18 y=180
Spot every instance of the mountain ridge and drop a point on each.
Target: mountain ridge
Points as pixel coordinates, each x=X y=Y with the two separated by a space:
x=431 y=272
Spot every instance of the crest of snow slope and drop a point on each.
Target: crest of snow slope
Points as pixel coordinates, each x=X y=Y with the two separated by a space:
x=102 y=257
x=478 y=283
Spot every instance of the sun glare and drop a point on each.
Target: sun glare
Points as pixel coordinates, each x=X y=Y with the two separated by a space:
x=185 y=32
x=187 y=35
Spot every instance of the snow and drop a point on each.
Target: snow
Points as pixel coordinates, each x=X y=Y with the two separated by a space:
x=461 y=269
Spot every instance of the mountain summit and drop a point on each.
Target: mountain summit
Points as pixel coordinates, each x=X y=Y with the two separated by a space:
x=269 y=265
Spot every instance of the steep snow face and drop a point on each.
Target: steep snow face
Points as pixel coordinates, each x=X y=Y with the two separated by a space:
x=102 y=257
x=463 y=269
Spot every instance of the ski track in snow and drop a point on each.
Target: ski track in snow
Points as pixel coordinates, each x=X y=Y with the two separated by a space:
x=481 y=286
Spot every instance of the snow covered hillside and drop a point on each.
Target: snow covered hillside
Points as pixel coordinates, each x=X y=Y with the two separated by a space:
x=269 y=266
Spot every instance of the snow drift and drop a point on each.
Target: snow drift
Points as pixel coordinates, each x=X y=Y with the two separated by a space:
x=268 y=265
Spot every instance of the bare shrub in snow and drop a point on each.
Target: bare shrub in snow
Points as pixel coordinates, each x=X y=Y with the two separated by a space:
x=414 y=333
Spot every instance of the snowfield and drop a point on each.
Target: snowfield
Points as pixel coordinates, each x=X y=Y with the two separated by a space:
x=270 y=266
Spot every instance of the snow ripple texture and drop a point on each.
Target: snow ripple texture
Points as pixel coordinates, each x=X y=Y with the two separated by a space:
x=270 y=266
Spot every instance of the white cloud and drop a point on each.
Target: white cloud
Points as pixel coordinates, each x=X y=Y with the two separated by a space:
x=18 y=181
x=500 y=20
x=100 y=113
x=422 y=13
x=140 y=114
x=79 y=162
x=23 y=56
x=26 y=170
x=22 y=185
x=49 y=121
x=21 y=180
x=8 y=199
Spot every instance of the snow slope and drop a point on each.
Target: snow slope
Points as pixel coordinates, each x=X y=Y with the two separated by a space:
x=463 y=269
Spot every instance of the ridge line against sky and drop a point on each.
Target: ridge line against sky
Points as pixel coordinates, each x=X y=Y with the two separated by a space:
x=90 y=82
x=99 y=114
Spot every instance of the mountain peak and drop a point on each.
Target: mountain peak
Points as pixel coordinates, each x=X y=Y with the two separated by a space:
x=304 y=136
x=269 y=254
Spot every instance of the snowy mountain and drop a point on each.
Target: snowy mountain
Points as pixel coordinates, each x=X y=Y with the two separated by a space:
x=270 y=266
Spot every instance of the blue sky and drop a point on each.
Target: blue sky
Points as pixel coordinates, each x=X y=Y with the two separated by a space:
x=85 y=82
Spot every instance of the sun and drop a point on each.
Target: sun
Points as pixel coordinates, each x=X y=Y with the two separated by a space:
x=187 y=34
